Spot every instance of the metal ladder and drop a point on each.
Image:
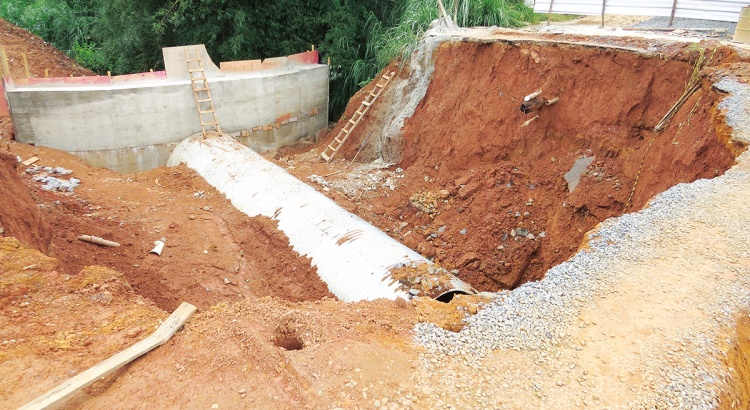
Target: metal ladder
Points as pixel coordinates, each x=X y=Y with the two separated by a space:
x=344 y=133
x=201 y=92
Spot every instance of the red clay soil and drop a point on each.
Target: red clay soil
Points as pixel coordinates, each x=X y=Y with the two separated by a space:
x=464 y=149
x=213 y=252
x=40 y=55
x=20 y=217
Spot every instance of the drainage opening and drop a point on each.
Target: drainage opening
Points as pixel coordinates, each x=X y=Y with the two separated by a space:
x=285 y=335
x=502 y=198
x=289 y=342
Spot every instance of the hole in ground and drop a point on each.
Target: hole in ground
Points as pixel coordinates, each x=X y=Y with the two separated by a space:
x=285 y=335
x=502 y=212
x=289 y=343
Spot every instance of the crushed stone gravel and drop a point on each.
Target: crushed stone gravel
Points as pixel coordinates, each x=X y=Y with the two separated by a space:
x=663 y=22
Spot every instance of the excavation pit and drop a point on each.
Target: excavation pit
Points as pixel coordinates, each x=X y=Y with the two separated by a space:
x=503 y=196
x=650 y=294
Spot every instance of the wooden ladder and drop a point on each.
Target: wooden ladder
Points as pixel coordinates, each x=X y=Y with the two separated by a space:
x=201 y=92
x=337 y=142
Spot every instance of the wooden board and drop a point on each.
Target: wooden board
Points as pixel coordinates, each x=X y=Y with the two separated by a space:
x=167 y=329
x=30 y=161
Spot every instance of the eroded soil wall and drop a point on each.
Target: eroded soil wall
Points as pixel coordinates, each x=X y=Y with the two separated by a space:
x=19 y=215
x=494 y=178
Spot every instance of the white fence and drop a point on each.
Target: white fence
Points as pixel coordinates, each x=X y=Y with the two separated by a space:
x=722 y=10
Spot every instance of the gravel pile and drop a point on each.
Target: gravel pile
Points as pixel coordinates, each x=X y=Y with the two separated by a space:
x=736 y=107
x=663 y=22
x=53 y=183
x=541 y=317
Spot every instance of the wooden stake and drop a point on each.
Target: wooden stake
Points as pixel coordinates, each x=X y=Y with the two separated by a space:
x=46 y=73
x=604 y=6
x=455 y=11
x=446 y=16
x=26 y=65
x=6 y=68
x=97 y=240
x=165 y=332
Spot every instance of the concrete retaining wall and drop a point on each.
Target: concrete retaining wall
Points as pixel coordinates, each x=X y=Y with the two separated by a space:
x=133 y=125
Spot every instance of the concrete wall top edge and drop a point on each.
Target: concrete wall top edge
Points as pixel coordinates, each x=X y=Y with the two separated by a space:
x=275 y=72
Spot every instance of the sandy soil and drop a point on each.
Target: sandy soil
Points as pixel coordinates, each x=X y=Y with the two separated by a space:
x=269 y=335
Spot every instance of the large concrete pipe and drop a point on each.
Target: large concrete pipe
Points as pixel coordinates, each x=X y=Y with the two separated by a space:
x=353 y=258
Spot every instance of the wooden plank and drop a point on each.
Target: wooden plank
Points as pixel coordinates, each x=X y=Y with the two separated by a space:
x=26 y=65
x=170 y=326
x=30 y=161
x=4 y=58
x=99 y=241
x=446 y=16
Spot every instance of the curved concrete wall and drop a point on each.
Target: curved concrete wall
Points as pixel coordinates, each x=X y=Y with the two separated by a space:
x=353 y=257
x=130 y=120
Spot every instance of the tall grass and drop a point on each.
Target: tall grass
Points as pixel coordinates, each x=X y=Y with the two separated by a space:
x=396 y=38
x=67 y=28
x=399 y=41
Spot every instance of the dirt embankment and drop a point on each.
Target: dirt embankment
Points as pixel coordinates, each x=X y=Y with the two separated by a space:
x=20 y=217
x=486 y=195
x=213 y=252
x=43 y=60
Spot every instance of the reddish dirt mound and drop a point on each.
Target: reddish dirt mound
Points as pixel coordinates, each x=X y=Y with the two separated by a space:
x=213 y=252
x=40 y=55
x=43 y=59
x=20 y=217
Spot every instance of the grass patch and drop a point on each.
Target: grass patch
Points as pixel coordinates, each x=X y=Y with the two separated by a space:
x=555 y=18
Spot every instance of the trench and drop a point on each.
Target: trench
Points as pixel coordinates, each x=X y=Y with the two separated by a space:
x=503 y=212
x=352 y=257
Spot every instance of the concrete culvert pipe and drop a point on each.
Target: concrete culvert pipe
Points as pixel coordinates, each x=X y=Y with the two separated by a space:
x=352 y=257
